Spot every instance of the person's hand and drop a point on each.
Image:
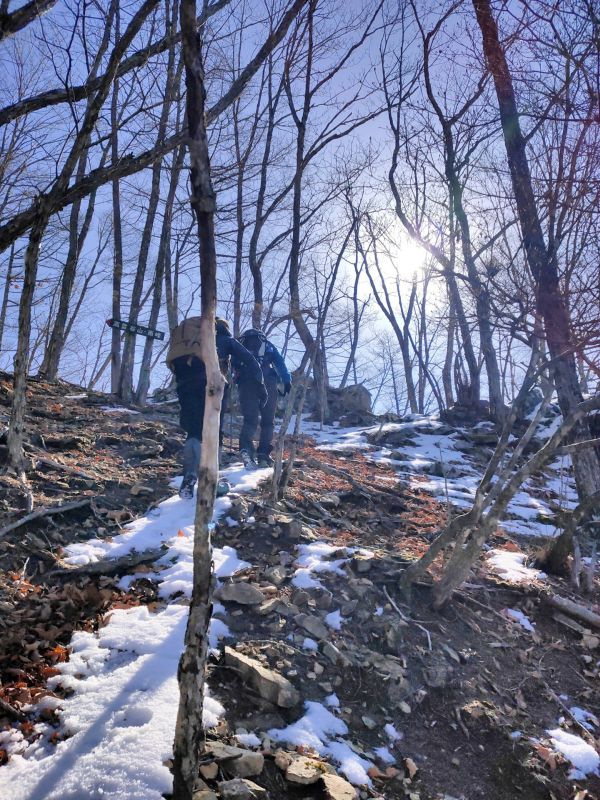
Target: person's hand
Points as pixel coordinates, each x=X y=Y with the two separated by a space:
x=287 y=388
x=263 y=395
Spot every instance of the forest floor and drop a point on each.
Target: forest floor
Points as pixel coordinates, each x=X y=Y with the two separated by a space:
x=318 y=665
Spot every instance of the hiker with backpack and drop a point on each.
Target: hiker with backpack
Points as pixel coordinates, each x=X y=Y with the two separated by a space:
x=184 y=359
x=251 y=404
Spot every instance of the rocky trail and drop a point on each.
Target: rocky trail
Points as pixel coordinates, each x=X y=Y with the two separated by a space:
x=323 y=681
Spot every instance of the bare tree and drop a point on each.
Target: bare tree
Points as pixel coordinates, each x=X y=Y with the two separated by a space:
x=45 y=206
x=542 y=260
x=13 y=21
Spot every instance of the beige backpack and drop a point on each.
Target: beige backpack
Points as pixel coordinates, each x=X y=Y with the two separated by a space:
x=185 y=340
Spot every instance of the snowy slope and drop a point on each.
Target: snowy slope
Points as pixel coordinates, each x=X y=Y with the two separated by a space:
x=121 y=715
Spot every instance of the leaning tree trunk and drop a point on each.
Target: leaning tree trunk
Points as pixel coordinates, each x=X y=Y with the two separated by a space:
x=188 y=732
x=550 y=301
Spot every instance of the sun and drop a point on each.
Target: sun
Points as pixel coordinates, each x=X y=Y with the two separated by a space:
x=403 y=259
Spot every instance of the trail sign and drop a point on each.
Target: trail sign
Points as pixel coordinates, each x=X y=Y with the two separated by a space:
x=132 y=327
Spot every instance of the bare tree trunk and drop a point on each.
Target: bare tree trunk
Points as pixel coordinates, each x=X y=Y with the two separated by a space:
x=117 y=279
x=261 y=215
x=384 y=302
x=46 y=204
x=128 y=359
x=6 y=293
x=549 y=299
x=56 y=343
x=188 y=731
x=447 y=368
x=161 y=260
x=239 y=243
x=357 y=315
x=16 y=456
x=77 y=237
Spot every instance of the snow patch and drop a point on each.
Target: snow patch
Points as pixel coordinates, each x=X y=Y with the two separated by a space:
x=583 y=757
x=316 y=729
x=511 y=567
x=521 y=618
x=391 y=732
x=384 y=755
x=334 y=620
x=248 y=739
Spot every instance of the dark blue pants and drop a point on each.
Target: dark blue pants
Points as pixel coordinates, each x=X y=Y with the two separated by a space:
x=190 y=377
x=252 y=412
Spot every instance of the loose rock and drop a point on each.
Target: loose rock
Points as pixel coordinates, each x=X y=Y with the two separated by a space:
x=337 y=788
x=209 y=771
x=246 y=594
x=276 y=574
x=239 y=789
x=313 y=625
x=269 y=684
x=239 y=762
x=304 y=770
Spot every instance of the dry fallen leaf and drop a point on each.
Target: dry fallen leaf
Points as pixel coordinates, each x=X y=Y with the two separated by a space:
x=411 y=767
x=546 y=755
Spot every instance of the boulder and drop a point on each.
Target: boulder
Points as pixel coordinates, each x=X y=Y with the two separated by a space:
x=357 y=419
x=392 y=436
x=356 y=398
x=239 y=509
x=204 y=794
x=269 y=684
x=531 y=401
x=329 y=500
x=246 y=594
x=461 y=415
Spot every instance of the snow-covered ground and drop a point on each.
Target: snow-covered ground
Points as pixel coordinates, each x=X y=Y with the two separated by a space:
x=428 y=451
x=120 y=718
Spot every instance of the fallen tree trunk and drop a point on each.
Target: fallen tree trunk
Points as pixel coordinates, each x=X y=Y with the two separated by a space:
x=112 y=566
x=45 y=512
x=571 y=608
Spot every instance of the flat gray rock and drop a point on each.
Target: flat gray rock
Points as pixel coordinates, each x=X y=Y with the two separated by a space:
x=246 y=594
x=269 y=684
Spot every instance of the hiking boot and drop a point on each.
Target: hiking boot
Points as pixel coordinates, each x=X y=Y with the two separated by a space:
x=223 y=487
x=186 y=490
x=248 y=459
x=264 y=460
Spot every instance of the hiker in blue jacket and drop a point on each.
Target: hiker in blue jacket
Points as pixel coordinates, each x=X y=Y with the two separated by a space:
x=252 y=406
